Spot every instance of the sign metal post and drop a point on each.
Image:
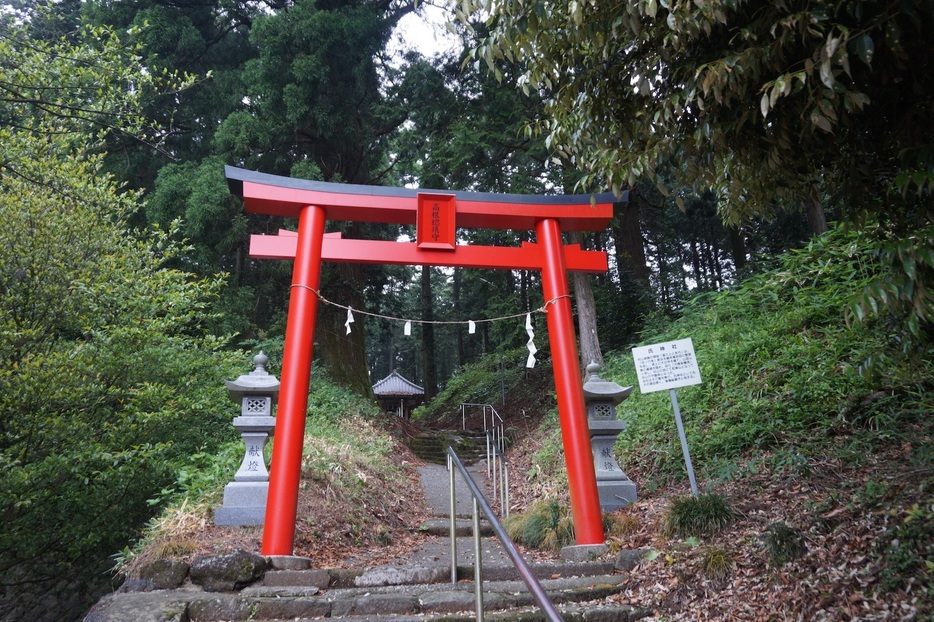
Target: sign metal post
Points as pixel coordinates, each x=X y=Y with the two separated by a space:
x=684 y=441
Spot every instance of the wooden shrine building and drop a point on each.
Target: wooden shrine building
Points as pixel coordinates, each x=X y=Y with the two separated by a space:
x=398 y=395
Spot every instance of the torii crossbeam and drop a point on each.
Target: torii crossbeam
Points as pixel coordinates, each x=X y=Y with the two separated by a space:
x=437 y=215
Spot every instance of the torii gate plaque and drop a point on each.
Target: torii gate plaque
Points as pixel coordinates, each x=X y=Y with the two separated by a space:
x=436 y=215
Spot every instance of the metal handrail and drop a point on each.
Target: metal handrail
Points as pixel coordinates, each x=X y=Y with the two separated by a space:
x=481 y=504
x=495 y=419
x=498 y=475
x=497 y=469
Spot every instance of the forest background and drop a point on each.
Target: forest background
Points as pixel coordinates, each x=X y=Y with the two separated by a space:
x=739 y=131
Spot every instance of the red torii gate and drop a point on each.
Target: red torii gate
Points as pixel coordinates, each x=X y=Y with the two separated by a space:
x=436 y=215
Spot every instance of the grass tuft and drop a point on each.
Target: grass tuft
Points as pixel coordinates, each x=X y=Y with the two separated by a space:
x=619 y=525
x=783 y=543
x=545 y=525
x=703 y=515
x=716 y=563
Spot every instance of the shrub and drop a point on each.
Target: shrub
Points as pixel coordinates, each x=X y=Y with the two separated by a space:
x=619 y=525
x=907 y=548
x=781 y=367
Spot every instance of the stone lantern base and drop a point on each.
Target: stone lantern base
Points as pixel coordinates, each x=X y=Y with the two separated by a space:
x=615 y=494
x=244 y=504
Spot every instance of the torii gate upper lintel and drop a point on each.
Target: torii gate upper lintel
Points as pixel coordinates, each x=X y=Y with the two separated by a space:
x=437 y=215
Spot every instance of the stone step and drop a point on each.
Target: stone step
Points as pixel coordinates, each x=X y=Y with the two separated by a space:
x=453 y=606
x=391 y=594
x=463 y=527
x=393 y=576
x=432 y=446
x=396 y=603
x=593 y=612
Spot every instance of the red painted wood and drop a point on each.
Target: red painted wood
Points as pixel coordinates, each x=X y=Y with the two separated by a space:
x=575 y=433
x=262 y=198
x=338 y=249
x=435 y=228
x=315 y=202
x=286 y=467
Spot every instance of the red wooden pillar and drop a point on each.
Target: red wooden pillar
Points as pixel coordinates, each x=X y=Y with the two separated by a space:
x=578 y=455
x=286 y=467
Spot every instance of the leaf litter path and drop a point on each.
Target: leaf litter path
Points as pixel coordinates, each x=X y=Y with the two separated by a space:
x=431 y=544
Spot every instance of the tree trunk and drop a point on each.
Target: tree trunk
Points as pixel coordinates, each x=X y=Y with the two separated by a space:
x=459 y=328
x=428 y=336
x=630 y=251
x=586 y=314
x=343 y=354
x=717 y=255
x=696 y=264
x=737 y=247
x=392 y=352
x=815 y=208
x=713 y=262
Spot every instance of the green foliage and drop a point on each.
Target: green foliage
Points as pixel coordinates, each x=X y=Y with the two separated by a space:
x=752 y=100
x=901 y=289
x=314 y=92
x=783 y=543
x=907 y=548
x=703 y=515
x=329 y=404
x=780 y=366
x=475 y=383
x=108 y=381
x=465 y=131
x=76 y=94
x=197 y=194
x=204 y=39
x=343 y=448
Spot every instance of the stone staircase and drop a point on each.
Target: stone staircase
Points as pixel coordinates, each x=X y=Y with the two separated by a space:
x=579 y=591
x=415 y=587
x=432 y=446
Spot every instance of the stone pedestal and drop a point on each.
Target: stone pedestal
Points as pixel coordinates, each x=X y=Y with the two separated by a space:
x=244 y=504
x=245 y=497
x=614 y=488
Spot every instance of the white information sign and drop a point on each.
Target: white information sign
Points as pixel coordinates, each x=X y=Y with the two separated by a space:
x=667 y=365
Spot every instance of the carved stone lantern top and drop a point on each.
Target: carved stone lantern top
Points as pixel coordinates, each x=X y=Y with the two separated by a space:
x=596 y=388
x=257 y=382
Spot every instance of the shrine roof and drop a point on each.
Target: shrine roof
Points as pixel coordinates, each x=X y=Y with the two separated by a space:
x=286 y=196
x=396 y=384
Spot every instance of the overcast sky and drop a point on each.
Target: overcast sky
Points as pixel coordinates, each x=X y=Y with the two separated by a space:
x=423 y=31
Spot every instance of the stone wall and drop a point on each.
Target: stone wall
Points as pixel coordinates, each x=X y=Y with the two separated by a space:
x=53 y=600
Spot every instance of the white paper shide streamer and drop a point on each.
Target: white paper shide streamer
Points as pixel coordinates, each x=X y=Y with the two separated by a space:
x=407 y=329
x=349 y=319
x=471 y=327
x=532 y=349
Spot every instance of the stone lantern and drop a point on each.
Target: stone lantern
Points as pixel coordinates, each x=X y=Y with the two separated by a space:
x=245 y=497
x=614 y=488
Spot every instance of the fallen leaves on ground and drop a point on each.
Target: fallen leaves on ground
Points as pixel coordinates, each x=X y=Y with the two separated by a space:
x=840 y=576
